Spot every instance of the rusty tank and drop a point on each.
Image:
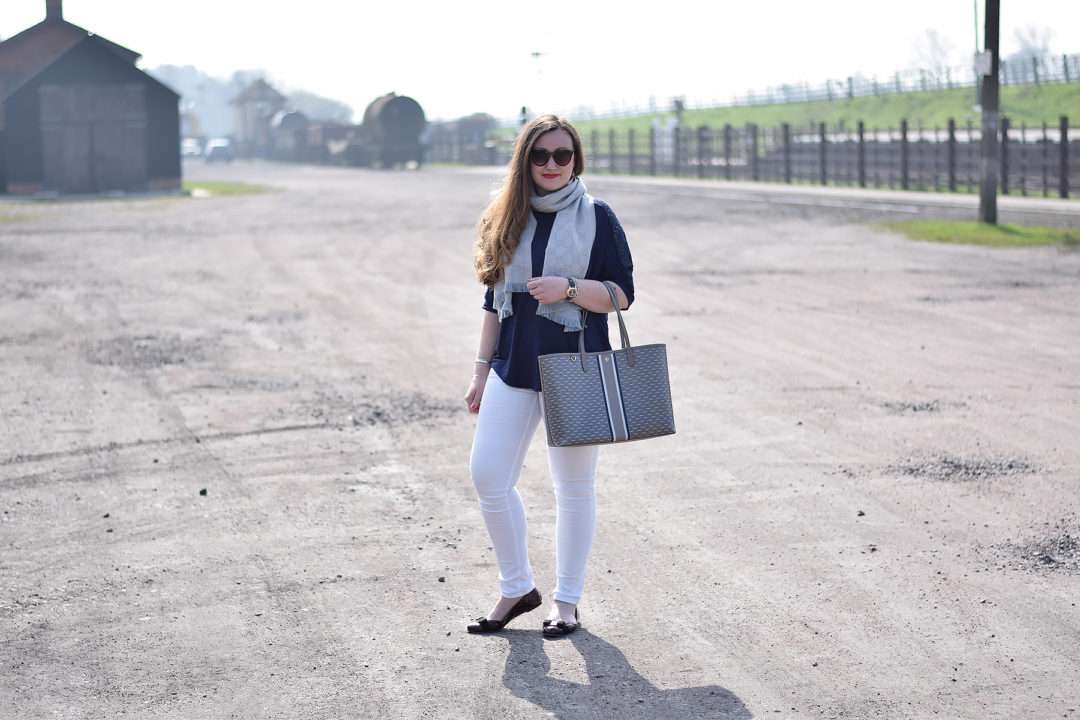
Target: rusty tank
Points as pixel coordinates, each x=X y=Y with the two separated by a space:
x=390 y=134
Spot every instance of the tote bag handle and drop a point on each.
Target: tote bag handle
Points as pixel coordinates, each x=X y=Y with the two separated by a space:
x=624 y=336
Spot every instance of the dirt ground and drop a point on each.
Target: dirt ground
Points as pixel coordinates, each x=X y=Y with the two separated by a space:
x=234 y=463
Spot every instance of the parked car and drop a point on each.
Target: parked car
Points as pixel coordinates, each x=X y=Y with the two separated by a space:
x=219 y=150
x=190 y=147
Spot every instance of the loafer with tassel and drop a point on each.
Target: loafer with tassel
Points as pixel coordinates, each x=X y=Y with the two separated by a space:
x=527 y=603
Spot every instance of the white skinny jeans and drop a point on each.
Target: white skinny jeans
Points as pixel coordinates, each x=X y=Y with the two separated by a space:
x=504 y=428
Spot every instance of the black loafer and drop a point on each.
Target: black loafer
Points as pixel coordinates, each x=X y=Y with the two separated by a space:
x=560 y=628
x=528 y=602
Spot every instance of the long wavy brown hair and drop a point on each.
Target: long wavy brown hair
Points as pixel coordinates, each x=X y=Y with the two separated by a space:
x=503 y=221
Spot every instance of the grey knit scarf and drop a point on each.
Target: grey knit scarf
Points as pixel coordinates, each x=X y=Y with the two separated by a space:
x=567 y=254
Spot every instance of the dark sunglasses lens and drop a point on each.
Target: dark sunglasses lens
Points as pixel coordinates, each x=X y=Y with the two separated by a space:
x=540 y=157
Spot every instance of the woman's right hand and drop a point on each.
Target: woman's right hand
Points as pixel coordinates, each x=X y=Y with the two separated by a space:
x=475 y=392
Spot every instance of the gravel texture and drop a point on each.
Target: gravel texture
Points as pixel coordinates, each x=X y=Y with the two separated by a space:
x=234 y=463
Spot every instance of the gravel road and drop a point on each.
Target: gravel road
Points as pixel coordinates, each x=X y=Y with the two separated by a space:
x=234 y=464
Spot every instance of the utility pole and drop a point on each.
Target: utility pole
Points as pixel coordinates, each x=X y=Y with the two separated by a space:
x=989 y=150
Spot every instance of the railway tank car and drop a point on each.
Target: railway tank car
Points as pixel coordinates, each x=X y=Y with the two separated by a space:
x=390 y=133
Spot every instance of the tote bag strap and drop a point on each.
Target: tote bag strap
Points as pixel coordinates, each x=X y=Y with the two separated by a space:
x=624 y=336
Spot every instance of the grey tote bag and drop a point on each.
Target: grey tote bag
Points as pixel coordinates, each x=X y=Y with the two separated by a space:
x=606 y=397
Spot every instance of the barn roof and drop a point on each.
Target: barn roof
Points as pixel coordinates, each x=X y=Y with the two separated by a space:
x=25 y=55
x=258 y=90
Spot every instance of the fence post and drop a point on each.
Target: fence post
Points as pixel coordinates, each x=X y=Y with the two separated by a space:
x=594 y=144
x=916 y=153
x=950 y=155
x=727 y=152
x=702 y=150
x=1045 y=160
x=675 y=147
x=652 y=151
x=878 y=165
x=787 y=152
x=861 y=155
x=850 y=87
x=630 y=137
x=1004 y=155
x=611 y=152
x=970 y=165
x=903 y=155
x=1065 y=63
x=1064 y=178
x=1022 y=175
x=752 y=129
x=1035 y=69
x=823 y=176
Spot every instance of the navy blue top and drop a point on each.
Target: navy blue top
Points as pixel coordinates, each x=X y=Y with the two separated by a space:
x=524 y=335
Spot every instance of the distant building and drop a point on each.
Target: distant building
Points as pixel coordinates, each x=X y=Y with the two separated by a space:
x=77 y=116
x=256 y=107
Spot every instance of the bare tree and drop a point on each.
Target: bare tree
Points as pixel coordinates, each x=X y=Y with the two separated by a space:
x=1033 y=46
x=932 y=51
x=1032 y=42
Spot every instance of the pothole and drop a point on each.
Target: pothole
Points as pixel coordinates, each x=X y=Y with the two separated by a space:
x=1053 y=547
x=955 y=469
x=399 y=408
x=145 y=352
x=913 y=407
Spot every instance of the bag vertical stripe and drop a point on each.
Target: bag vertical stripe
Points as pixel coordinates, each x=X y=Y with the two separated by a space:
x=609 y=378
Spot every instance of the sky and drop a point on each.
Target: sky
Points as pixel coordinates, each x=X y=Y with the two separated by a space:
x=458 y=58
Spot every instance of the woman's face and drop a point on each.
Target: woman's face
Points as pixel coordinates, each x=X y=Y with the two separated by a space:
x=551 y=176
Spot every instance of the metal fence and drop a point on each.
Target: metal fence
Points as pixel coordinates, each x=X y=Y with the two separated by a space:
x=1034 y=160
x=1027 y=71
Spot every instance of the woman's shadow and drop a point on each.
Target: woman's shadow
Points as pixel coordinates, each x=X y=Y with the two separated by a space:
x=614 y=689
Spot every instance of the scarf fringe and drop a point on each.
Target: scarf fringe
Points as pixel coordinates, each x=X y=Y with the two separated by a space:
x=563 y=312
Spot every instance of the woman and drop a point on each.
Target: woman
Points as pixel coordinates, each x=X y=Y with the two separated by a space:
x=545 y=248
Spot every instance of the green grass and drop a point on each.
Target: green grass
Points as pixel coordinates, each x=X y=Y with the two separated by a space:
x=1023 y=104
x=998 y=236
x=224 y=188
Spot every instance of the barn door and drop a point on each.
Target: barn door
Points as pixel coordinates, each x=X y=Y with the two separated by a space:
x=93 y=138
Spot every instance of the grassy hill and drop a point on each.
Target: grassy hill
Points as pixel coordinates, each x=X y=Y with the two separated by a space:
x=1028 y=104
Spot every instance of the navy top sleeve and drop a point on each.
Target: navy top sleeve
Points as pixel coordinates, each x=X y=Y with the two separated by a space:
x=524 y=335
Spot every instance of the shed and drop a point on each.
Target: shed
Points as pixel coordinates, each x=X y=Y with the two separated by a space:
x=77 y=116
x=256 y=107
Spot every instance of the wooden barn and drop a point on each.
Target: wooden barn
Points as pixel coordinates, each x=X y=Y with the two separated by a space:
x=77 y=116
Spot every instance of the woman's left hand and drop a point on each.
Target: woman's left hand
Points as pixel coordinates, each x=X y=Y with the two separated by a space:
x=548 y=289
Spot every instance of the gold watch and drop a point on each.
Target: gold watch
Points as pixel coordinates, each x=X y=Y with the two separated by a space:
x=571 y=289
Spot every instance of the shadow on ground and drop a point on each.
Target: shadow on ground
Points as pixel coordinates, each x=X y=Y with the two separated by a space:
x=614 y=690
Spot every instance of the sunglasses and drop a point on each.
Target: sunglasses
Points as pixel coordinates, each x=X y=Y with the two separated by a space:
x=540 y=157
